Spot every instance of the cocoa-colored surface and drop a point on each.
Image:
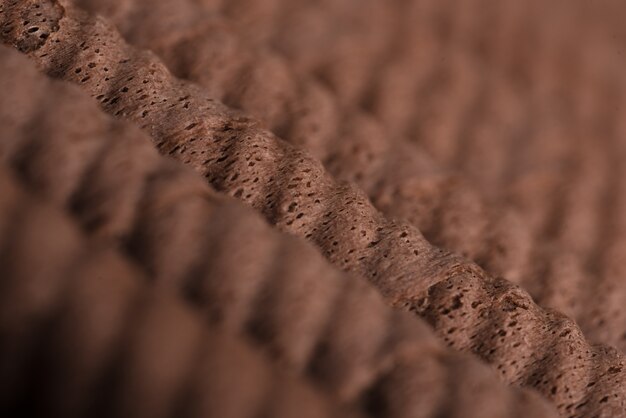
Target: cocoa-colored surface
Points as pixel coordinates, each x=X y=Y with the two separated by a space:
x=452 y=106
x=524 y=100
x=486 y=149
x=226 y=262
x=83 y=334
x=399 y=177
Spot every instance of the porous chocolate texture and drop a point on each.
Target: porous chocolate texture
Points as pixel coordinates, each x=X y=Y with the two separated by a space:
x=469 y=110
x=226 y=262
x=490 y=317
x=559 y=158
x=560 y=163
x=523 y=99
x=83 y=335
x=400 y=179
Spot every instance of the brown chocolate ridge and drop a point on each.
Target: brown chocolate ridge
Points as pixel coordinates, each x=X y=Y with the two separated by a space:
x=397 y=176
x=294 y=192
x=82 y=335
x=485 y=108
x=561 y=169
x=551 y=56
x=558 y=159
x=223 y=259
x=553 y=253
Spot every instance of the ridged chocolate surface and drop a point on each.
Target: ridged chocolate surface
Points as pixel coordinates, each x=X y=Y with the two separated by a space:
x=524 y=99
x=556 y=161
x=225 y=261
x=526 y=42
x=397 y=175
x=481 y=110
x=490 y=317
x=82 y=335
x=559 y=162
x=533 y=118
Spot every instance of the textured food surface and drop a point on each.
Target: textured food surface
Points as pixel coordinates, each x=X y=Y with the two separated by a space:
x=540 y=137
x=400 y=179
x=83 y=335
x=225 y=261
x=493 y=128
x=524 y=99
x=470 y=309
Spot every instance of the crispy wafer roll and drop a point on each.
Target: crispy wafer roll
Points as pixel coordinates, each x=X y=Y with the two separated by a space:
x=292 y=190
